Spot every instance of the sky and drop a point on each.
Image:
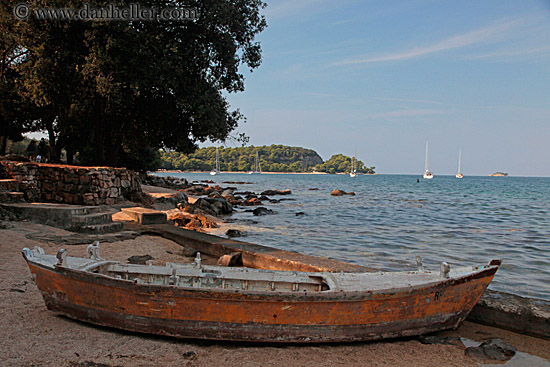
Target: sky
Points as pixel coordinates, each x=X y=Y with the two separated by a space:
x=384 y=77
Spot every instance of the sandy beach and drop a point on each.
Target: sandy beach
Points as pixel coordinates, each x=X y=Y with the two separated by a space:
x=30 y=335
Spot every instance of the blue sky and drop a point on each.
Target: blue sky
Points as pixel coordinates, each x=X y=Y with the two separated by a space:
x=385 y=76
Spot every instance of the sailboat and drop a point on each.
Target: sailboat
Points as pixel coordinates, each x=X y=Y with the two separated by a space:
x=427 y=174
x=216 y=170
x=459 y=174
x=353 y=172
x=257 y=167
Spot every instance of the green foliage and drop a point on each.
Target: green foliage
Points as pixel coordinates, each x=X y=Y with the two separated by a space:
x=340 y=163
x=113 y=91
x=273 y=158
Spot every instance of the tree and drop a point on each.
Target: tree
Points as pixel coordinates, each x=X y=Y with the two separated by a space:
x=115 y=90
x=14 y=119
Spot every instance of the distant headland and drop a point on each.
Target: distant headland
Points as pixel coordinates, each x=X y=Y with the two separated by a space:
x=499 y=174
x=272 y=159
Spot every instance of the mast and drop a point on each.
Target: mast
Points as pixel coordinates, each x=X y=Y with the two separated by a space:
x=217 y=160
x=258 y=167
x=426 y=164
x=459 y=156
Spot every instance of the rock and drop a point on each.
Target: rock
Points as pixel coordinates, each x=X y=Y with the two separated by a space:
x=338 y=192
x=205 y=206
x=191 y=355
x=276 y=192
x=233 y=259
x=227 y=194
x=245 y=193
x=214 y=194
x=300 y=213
x=434 y=339
x=189 y=252
x=313 y=189
x=251 y=202
x=235 y=233
x=220 y=205
x=493 y=349
x=262 y=211
x=139 y=259
x=205 y=221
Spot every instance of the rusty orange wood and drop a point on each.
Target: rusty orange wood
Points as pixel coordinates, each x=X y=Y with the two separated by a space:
x=241 y=315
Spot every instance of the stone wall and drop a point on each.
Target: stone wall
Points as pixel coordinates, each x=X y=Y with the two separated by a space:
x=75 y=185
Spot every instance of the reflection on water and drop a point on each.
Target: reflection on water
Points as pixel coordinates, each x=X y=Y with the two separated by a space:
x=393 y=218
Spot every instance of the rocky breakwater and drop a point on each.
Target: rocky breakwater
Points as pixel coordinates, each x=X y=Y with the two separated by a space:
x=206 y=204
x=75 y=185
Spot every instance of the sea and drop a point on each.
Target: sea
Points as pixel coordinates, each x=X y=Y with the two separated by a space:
x=391 y=219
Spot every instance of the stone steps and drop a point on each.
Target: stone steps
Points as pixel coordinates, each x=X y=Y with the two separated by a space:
x=11 y=197
x=101 y=228
x=92 y=219
x=75 y=218
x=9 y=185
x=9 y=191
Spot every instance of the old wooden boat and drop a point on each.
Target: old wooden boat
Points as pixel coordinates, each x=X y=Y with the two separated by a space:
x=234 y=303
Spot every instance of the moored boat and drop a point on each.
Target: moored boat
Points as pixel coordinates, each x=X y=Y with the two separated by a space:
x=234 y=303
x=428 y=175
x=353 y=171
x=216 y=171
x=459 y=174
x=257 y=166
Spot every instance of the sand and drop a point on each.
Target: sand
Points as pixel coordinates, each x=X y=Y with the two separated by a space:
x=30 y=335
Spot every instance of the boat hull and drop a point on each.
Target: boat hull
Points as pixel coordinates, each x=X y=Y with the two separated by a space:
x=256 y=316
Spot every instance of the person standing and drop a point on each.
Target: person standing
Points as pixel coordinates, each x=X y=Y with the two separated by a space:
x=43 y=150
x=32 y=150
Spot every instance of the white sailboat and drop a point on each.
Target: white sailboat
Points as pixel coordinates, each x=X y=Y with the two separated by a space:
x=353 y=172
x=257 y=167
x=427 y=174
x=459 y=174
x=216 y=170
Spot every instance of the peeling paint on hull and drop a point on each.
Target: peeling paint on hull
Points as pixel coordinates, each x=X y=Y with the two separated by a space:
x=256 y=316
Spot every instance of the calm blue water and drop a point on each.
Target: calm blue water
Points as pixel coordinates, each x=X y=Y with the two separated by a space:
x=393 y=218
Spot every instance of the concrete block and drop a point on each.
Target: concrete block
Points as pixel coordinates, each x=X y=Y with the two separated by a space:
x=145 y=216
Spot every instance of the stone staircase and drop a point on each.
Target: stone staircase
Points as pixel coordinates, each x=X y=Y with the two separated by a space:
x=9 y=191
x=75 y=218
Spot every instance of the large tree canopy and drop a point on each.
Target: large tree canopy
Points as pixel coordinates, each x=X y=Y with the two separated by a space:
x=117 y=91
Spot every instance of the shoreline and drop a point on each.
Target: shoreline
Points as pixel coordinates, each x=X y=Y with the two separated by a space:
x=30 y=323
x=264 y=173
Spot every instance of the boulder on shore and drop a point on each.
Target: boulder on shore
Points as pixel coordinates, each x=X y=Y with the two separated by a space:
x=493 y=349
x=276 y=192
x=262 y=211
x=235 y=233
x=338 y=192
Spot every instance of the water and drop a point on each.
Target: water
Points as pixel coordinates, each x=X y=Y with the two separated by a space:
x=393 y=218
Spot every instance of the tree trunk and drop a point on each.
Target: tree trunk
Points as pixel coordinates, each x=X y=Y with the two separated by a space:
x=70 y=154
x=3 y=145
x=54 y=152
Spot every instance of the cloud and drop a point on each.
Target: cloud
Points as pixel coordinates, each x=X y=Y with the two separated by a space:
x=477 y=36
x=505 y=54
x=425 y=101
x=406 y=113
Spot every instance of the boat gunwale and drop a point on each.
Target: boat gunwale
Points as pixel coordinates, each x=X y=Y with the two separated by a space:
x=257 y=295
